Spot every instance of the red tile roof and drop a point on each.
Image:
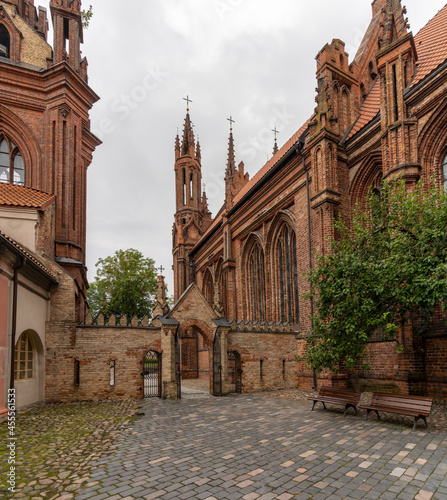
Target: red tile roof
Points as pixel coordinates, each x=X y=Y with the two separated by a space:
x=20 y=196
x=260 y=175
x=271 y=163
x=369 y=109
x=26 y=254
x=431 y=45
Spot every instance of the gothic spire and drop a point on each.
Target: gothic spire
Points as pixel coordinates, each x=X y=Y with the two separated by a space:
x=231 y=162
x=188 y=142
x=275 y=146
x=177 y=146
x=198 y=152
x=395 y=24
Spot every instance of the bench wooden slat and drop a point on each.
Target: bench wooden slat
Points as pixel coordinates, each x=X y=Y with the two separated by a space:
x=344 y=397
x=418 y=407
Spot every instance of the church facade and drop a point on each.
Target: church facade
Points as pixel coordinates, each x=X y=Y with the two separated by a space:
x=239 y=318
x=381 y=115
x=46 y=147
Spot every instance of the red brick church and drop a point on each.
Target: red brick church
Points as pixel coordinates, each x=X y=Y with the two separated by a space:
x=239 y=316
x=379 y=115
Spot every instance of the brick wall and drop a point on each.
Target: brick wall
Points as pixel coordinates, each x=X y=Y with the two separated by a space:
x=277 y=351
x=95 y=347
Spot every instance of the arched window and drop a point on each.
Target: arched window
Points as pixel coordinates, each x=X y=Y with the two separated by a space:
x=12 y=167
x=288 y=275
x=23 y=358
x=256 y=283
x=208 y=287
x=444 y=173
x=4 y=41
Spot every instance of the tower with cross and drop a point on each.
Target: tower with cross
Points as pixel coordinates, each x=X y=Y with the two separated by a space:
x=192 y=216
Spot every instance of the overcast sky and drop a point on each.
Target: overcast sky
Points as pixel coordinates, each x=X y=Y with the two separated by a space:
x=253 y=60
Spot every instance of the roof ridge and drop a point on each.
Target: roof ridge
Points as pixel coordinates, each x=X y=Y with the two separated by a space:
x=27 y=253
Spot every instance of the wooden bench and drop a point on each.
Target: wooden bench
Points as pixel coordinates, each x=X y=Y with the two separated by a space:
x=418 y=407
x=332 y=395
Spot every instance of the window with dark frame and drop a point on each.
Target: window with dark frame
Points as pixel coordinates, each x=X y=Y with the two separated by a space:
x=5 y=41
x=288 y=276
x=12 y=167
x=77 y=370
x=257 y=276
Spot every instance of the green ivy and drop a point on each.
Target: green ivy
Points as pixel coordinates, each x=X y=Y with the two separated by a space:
x=386 y=269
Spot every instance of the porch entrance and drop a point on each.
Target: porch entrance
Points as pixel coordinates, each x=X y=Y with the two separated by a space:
x=194 y=355
x=152 y=375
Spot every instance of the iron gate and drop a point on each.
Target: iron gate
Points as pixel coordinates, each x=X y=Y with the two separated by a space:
x=235 y=371
x=152 y=375
x=217 y=366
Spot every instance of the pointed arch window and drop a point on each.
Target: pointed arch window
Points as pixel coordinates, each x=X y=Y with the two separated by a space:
x=444 y=173
x=288 y=275
x=12 y=167
x=5 y=41
x=256 y=283
x=208 y=287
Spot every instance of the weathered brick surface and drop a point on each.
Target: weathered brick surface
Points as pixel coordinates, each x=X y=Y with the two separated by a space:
x=368 y=125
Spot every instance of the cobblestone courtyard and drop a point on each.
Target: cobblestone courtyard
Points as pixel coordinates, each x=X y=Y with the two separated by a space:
x=243 y=447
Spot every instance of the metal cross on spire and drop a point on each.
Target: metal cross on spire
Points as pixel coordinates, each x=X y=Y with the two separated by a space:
x=231 y=122
x=188 y=100
x=161 y=269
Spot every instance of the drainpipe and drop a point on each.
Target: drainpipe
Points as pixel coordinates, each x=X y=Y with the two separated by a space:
x=310 y=254
x=21 y=261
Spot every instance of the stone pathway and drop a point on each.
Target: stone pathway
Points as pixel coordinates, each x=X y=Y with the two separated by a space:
x=243 y=447
x=250 y=447
x=58 y=443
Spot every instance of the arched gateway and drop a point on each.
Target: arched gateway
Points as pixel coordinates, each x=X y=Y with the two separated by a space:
x=152 y=375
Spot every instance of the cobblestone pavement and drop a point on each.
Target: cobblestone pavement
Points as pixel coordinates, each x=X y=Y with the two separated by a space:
x=58 y=443
x=259 y=446
x=248 y=447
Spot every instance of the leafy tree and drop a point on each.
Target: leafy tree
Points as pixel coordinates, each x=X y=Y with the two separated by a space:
x=386 y=270
x=86 y=16
x=125 y=283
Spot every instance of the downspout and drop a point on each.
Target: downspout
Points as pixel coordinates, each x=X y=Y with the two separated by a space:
x=21 y=261
x=310 y=256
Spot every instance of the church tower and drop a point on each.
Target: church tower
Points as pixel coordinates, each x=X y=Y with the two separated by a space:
x=45 y=128
x=396 y=60
x=68 y=35
x=192 y=215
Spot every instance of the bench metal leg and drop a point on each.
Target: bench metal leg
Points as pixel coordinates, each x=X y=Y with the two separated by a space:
x=315 y=402
x=349 y=406
x=418 y=418
x=367 y=414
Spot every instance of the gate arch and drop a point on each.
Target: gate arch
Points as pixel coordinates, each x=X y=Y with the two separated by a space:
x=152 y=375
